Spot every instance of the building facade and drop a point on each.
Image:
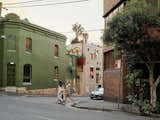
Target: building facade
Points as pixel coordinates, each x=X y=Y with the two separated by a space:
x=112 y=80
x=89 y=66
x=32 y=57
x=114 y=86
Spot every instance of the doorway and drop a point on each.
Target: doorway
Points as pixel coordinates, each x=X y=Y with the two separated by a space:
x=11 y=71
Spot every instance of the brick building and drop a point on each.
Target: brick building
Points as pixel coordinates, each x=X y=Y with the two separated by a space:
x=112 y=80
x=115 y=89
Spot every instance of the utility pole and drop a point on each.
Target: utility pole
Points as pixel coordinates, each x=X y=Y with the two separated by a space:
x=0 y=8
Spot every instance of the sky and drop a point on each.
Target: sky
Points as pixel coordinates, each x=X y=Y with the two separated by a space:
x=61 y=17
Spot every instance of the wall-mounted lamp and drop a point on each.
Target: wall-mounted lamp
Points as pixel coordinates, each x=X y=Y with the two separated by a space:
x=3 y=36
x=12 y=63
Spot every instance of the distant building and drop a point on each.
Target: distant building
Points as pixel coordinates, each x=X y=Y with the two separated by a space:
x=32 y=58
x=89 y=66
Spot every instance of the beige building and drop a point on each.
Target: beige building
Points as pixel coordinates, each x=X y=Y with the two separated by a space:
x=89 y=66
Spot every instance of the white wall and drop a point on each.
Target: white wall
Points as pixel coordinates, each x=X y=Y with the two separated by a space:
x=96 y=62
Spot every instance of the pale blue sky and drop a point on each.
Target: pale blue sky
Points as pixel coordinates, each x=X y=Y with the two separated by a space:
x=60 y=18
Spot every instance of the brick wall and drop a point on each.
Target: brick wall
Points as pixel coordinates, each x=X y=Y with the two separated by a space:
x=113 y=85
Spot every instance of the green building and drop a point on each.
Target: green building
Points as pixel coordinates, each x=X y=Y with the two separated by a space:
x=31 y=57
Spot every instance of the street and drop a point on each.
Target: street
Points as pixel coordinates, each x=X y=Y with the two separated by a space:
x=13 y=107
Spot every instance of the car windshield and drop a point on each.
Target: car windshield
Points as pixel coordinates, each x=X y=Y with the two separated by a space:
x=101 y=89
x=98 y=89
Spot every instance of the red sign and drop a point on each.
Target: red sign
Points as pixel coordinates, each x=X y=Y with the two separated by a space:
x=91 y=72
x=117 y=64
x=81 y=61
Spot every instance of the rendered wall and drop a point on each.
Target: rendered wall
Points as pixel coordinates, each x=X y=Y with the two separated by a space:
x=41 y=58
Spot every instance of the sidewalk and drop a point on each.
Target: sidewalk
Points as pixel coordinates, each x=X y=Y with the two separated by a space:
x=98 y=105
x=107 y=106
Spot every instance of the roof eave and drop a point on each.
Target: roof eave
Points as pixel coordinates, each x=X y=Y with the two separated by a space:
x=113 y=8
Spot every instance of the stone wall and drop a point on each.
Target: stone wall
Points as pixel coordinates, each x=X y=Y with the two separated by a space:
x=49 y=91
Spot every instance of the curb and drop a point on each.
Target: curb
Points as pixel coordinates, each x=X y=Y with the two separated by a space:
x=155 y=115
x=27 y=95
x=111 y=110
x=139 y=113
x=97 y=109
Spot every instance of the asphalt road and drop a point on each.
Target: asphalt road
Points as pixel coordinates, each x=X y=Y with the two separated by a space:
x=14 y=107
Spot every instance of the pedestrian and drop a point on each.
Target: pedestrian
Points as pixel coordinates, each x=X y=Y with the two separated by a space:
x=60 y=92
x=68 y=92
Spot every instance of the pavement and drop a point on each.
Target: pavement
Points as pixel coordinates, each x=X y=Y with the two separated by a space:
x=98 y=105
x=108 y=106
x=87 y=103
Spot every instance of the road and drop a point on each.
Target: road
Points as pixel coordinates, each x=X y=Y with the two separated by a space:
x=14 y=107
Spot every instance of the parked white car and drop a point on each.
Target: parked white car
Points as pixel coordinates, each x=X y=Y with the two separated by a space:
x=97 y=93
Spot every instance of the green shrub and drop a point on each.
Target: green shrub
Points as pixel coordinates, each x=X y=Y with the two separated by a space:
x=137 y=97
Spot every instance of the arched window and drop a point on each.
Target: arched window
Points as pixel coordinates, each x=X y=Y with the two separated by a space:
x=56 y=73
x=28 y=44
x=27 y=73
x=56 y=50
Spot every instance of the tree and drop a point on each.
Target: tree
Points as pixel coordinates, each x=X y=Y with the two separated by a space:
x=137 y=32
x=78 y=30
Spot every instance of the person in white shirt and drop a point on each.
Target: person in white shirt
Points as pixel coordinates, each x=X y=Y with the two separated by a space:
x=60 y=93
x=68 y=92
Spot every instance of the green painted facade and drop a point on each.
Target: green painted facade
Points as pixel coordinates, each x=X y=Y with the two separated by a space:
x=1 y=55
x=42 y=59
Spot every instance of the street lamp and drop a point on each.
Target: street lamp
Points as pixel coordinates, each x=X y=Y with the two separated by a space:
x=74 y=53
x=0 y=8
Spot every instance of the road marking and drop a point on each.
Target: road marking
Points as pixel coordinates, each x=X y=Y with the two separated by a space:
x=43 y=117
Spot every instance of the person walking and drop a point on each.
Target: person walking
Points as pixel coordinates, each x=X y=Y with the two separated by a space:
x=68 y=92
x=60 y=93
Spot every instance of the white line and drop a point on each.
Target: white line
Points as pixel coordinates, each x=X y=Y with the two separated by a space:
x=44 y=118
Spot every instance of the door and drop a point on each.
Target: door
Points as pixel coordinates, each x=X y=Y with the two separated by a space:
x=11 y=74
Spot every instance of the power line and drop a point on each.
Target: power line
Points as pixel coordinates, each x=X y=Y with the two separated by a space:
x=29 y=2
x=49 y=4
x=91 y=30
x=14 y=3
